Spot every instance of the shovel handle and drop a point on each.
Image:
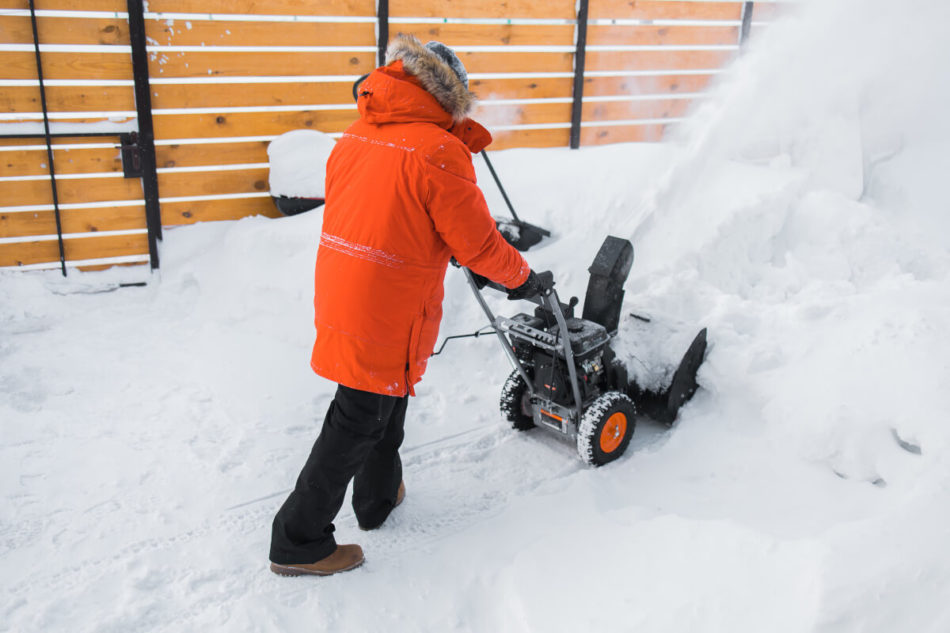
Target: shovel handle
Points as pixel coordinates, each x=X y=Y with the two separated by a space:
x=500 y=188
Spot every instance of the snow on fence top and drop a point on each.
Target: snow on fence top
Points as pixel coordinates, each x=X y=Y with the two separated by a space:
x=228 y=76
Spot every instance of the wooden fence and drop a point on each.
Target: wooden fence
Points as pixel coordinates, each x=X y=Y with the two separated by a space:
x=224 y=77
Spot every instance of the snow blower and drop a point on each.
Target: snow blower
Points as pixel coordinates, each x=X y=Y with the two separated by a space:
x=567 y=376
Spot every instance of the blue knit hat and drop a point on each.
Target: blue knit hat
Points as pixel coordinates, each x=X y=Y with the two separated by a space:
x=447 y=55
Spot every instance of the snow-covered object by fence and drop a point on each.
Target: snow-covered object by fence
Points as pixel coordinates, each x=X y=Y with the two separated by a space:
x=298 y=163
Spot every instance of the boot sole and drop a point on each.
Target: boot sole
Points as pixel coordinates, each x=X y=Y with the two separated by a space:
x=291 y=571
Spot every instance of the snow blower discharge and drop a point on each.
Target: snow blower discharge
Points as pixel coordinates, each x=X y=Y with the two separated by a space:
x=567 y=376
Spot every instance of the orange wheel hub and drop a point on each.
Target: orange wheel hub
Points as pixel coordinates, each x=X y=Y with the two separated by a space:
x=613 y=432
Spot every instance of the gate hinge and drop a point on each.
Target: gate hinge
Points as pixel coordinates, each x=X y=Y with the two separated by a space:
x=131 y=156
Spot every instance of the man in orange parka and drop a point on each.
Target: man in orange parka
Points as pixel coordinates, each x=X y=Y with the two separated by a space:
x=401 y=200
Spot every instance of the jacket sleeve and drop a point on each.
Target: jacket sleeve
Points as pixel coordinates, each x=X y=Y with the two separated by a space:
x=460 y=215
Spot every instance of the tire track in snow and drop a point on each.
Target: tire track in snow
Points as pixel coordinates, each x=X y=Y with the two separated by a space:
x=454 y=483
x=460 y=453
x=457 y=449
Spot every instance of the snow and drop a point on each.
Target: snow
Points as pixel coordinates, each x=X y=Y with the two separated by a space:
x=292 y=157
x=148 y=434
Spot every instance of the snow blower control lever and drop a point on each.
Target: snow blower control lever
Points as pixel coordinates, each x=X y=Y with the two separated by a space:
x=567 y=377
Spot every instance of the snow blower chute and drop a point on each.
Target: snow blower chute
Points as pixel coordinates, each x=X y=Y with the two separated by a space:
x=568 y=377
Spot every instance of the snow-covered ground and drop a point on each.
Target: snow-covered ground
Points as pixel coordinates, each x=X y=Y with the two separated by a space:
x=148 y=434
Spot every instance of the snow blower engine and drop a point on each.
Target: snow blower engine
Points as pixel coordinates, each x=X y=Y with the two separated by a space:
x=567 y=377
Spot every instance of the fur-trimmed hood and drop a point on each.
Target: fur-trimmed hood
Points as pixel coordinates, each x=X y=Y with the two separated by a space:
x=435 y=75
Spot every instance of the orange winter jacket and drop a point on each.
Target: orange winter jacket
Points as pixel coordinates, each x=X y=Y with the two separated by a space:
x=401 y=199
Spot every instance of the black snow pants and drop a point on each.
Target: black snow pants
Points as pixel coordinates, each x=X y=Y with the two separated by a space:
x=360 y=438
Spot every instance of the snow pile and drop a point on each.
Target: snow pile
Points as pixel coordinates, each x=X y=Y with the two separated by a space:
x=842 y=239
x=298 y=164
x=147 y=435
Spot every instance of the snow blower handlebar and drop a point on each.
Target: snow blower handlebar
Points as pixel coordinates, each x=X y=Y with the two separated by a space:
x=547 y=299
x=505 y=343
x=545 y=281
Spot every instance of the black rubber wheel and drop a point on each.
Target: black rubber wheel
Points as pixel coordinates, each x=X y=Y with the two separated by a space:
x=514 y=403
x=606 y=428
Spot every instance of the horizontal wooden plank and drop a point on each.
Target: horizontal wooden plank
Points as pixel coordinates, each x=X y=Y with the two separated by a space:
x=6 y=143
x=594 y=135
x=271 y=7
x=34 y=162
x=24 y=224
x=21 y=224
x=100 y=267
x=630 y=110
x=70 y=191
x=312 y=93
x=645 y=85
x=657 y=60
x=522 y=114
x=554 y=137
x=480 y=62
x=178 y=213
x=244 y=33
x=76 y=249
x=562 y=9
x=68 y=99
x=209 y=183
x=166 y=96
x=491 y=34
x=86 y=248
x=364 y=8
x=177 y=126
x=664 y=10
x=16 y=29
x=213 y=63
x=627 y=35
x=531 y=88
x=67 y=5
x=22 y=65
x=170 y=185
x=194 y=154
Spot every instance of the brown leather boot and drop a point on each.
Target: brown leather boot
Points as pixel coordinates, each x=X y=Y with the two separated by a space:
x=343 y=558
x=401 y=493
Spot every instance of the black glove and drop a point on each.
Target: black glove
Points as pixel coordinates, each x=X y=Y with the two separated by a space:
x=480 y=282
x=530 y=288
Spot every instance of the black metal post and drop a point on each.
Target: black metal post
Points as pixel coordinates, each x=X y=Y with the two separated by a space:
x=746 y=22
x=579 y=61
x=49 y=141
x=146 y=135
x=382 y=21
